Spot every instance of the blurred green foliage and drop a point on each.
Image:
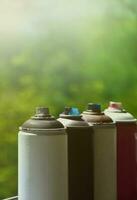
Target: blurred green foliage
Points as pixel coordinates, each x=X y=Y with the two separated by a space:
x=93 y=60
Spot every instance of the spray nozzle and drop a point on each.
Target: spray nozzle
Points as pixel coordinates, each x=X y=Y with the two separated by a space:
x=94 y=107
x=71 y=111
x=116 y=105
x=74 y=112
x=42 y=112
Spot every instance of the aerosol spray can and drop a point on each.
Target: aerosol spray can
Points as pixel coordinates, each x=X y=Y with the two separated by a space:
x=43 y=165
x=79 y=154
x=104 y=153
x=126 y=151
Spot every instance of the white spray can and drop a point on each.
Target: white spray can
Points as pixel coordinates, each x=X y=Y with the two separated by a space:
x=42 y=155
x=104 y=153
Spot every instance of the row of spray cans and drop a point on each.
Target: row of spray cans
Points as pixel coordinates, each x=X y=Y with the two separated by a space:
x=88 y=156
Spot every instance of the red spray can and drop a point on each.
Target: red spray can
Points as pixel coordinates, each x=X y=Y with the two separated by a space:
x=126 y=151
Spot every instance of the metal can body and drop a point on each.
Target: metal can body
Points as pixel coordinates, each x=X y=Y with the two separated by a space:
x=43 y=166
x=126 y=161
x=104 y=153
x=79 y=157
x=79 y=163
x=126 y=151
x=42 y=158
x=104 y=162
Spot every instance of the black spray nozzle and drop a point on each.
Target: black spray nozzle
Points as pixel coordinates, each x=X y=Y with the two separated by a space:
x=42 y=112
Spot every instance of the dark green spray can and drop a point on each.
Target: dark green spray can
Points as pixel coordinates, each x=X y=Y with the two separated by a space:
x=79 y=154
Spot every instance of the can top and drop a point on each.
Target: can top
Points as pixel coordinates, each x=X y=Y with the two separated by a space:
x=71 y=117
x=41 y=120
x=94 y=115
x=117 y=113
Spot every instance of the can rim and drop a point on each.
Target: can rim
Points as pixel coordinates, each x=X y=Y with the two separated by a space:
x=38 y=129
x=12 y=198
x=126 y=121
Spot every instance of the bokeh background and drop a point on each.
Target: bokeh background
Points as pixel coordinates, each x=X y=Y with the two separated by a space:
x=56 y=53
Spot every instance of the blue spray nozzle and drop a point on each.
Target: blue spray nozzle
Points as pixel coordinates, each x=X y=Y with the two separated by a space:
x=74 y=112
